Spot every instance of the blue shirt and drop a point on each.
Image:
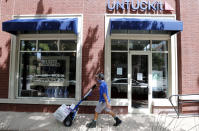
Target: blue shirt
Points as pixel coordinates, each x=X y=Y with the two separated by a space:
x=103 y=89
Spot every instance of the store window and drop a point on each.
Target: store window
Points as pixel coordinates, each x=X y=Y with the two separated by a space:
x=119 y=65
x=139 y=45
x=47 y=68
x=160 y=68
x=119 y=68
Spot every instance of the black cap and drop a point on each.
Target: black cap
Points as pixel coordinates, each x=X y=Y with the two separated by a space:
x=100 y=75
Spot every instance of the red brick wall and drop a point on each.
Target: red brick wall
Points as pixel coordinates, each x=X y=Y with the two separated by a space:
x=189 y=63
x=4 y=60
x=93 y=44
x=189 y=46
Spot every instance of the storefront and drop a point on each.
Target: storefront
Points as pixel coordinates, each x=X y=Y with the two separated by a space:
x=141 y=60
x=54 y=58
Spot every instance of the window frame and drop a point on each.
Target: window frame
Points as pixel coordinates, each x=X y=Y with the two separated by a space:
x=14 y=61
x=71 y=37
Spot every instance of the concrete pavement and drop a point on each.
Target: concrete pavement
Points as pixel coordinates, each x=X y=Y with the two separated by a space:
x=131 y=122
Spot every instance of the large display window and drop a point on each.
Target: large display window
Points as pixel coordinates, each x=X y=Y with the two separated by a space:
x=158 y=49
x=47 y=68
x=160 y=69
x=119 y=68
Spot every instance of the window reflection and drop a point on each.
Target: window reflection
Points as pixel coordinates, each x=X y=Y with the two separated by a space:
x=68 y=45
x=119 y=71
x=28 y=45
x=160 y=75
x=119 y=66
x=48 y=45
x=46 y=74
x=142 y=45
x=159 y=45
x=119 y=44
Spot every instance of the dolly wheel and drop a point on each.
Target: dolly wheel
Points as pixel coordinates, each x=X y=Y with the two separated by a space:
x=68 y=121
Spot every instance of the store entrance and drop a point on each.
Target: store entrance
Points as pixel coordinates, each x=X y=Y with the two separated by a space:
x=139 y=82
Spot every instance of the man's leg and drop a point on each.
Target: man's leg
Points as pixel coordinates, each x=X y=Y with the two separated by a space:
x=98 y=110
x=110 y=112
x=95 y=116
x=92 y=124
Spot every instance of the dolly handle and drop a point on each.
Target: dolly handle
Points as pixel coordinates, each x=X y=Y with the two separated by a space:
x=94 y=86
x=89 y=92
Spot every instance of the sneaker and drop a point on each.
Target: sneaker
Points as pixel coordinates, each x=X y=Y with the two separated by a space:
x=118 y=121
x=92 y=124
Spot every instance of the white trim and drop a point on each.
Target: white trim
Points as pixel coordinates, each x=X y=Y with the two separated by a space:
x=47 y=16
x=12 y=67
x=47 y=36
x=14 y=74
x=119 y=102
x=59 y=101
x=46 y=101
x=79 y=58
x=190 y=97
x=107 y=55
x=173 y=80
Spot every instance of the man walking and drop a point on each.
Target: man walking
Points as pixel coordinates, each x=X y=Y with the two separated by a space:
x=104 y=103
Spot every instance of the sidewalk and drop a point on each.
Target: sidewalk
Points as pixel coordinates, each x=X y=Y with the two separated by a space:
x=131 y=122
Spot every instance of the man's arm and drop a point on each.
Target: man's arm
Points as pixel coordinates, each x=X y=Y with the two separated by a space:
x=106 y=99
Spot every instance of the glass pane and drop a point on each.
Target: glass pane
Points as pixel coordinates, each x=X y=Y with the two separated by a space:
x=47 y=75
x=48 y=45
x=159 y=45
x=28 y=45
x=119 y=78
x=47 y=32
x=160 y=32
x=138 y=31
x=119 y=44
x=139 y=81
x=121 y=31
x=68 y=45
x=160 y=75
x=142 y=45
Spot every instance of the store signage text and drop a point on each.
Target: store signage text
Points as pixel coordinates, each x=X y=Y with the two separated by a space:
x=142 y=5
x=49 y=63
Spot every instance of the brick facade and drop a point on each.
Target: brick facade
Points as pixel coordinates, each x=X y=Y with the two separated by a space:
x=93 y=39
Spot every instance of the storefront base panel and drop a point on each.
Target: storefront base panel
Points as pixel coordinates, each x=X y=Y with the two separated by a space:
x=52 y=108
x=28 y=108
x=162 y=110
x=190 y=108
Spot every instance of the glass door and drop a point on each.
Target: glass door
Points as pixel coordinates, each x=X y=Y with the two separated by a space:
x=139 y=81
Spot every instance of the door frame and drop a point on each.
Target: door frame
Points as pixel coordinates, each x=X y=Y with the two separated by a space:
x=130 y=108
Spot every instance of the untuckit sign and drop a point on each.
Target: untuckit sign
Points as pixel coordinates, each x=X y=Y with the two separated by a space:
x=142 y=5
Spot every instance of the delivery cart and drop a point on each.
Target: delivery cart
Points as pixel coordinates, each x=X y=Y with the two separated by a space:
x=66 y=114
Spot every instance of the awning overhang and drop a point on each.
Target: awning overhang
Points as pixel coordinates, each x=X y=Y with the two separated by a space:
x=48 y=24
x=172 y=26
